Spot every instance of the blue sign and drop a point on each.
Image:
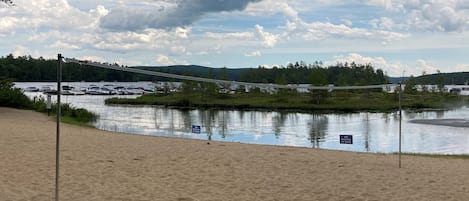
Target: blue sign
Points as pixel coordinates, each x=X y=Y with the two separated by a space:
x=346 y=139
x=195 y=129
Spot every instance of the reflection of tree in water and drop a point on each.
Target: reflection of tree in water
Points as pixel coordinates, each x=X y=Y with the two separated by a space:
x=187 y=120
x=223 y=120
x=279 y=122
x=440 y=113
x=317 y=127
x=241 y=115
x=385 y=116
x=166 y=113
x=156 y=117
x=207 y=118
x=366 y=128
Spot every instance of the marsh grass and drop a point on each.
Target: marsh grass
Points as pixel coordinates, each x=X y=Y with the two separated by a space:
x=337 y=101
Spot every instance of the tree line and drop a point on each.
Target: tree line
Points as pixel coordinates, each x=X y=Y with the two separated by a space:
x=26 y=68
x=340 y=74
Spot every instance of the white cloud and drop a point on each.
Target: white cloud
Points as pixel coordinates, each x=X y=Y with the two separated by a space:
x=21 y=51
x=63 y=45
x=268 y=39
x=392 y=69
x=182 y=32
x=178 y=50
x=233 y=35
x=8 y=24
x=45 y=13
x=256 y=53
x=347 y=22
x=439 y=15
x=321 y=30
x=162 y=59
x=93 y=58
x=462 y=68
x=426 y=67
x=382 y=23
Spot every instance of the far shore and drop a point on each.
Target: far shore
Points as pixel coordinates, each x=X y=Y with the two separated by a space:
x=99 y=165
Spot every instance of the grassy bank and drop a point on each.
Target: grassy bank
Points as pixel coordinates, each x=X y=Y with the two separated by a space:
x=13 y=97
x=456 y=156
x=341 y=101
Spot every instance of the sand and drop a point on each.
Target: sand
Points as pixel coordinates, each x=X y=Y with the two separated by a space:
x=100 y=165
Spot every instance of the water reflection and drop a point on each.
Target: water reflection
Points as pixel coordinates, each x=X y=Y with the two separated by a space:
x=318 y=124
x=278 y=123
x=372 y=132
x=366 y=130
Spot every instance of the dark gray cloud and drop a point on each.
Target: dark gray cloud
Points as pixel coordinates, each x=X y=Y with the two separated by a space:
x=184 y=13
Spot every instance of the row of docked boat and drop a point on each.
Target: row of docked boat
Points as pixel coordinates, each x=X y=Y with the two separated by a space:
x=92 y=90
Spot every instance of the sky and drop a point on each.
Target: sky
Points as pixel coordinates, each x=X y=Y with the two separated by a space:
x=401 y=37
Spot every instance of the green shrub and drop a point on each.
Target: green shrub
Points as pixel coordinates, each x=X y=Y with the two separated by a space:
x=12 y=97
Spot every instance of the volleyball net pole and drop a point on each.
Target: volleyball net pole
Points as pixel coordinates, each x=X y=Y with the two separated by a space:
x=57 y=142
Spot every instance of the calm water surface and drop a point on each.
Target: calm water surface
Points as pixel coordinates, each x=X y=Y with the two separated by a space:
x=372 y=132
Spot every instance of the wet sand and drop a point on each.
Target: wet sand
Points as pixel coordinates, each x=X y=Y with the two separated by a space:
x=100 y=165
x=443 y=122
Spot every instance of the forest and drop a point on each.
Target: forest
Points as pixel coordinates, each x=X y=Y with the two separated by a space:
x=26 y=68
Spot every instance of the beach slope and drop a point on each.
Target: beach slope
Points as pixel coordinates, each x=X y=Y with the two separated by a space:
x=99 y=165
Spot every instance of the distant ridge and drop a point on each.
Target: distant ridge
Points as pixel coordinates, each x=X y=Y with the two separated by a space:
x=198 y=71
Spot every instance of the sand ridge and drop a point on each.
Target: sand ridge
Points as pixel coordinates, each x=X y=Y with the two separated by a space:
x=100 y=165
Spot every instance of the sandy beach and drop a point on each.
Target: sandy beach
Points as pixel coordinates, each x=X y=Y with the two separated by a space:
x=100 y=165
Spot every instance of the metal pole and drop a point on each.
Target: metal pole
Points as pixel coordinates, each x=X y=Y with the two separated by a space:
x=57 y=142
x=400 y=122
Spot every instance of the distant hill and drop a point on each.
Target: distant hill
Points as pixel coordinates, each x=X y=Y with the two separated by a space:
x=198 y=71
x=235 y=74
x=449 y=78
x=460 y=78
x=26 y=68
x=396 y=80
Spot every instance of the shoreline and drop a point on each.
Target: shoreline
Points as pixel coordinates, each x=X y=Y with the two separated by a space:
x=102 y=165
x=443 y=122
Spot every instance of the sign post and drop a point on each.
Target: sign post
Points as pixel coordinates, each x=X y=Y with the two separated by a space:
x=346 y=139
x=195 y=129
x=57 y=142
x=49 y=104
x=400 y=122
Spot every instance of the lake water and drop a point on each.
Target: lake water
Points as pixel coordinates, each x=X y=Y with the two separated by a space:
x=372 y=132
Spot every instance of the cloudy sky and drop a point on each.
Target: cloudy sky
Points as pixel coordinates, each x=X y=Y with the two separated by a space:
x=399 y=36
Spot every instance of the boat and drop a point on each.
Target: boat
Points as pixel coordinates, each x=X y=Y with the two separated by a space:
x=93 y=90
x=48 y=89
x=134 y=90
x=69 y=90
x=106 y=91
x=31 y=89
x=463 y=91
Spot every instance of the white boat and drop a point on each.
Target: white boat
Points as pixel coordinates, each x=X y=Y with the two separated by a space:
x=93 y=90
x=463 y=91
x=31 y=89
x=48 y=89
x=76 y=92
x=134 y=90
